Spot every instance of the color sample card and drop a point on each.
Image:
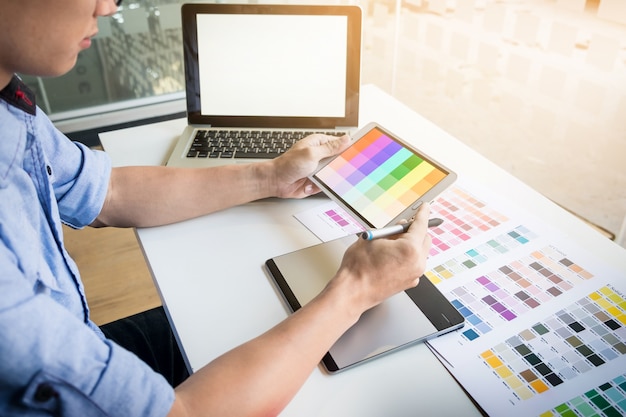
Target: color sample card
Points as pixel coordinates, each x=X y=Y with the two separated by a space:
x=339 y=218
x=500 y=296
x=465 y=217
x=545 y=320
x=608 y=399
x=586 y=335
x=471 y=258
x=379 y=178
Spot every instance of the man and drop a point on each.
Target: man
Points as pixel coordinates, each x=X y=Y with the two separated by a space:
x=54 y=360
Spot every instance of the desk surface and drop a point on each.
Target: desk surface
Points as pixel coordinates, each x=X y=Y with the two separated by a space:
x=210 y=276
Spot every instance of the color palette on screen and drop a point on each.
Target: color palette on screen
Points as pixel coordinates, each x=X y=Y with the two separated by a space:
x=464 y=216
x=584 y=336
x=379 y=178
x=609 y=400
x=499 y=245
x=510 y=291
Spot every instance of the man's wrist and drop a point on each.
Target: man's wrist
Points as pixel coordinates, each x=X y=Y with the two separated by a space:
x=264 y=175
x=343 y=292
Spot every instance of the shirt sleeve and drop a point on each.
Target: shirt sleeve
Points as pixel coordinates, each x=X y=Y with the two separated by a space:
x=82 y=201
x=52 y=361
x=80 y=176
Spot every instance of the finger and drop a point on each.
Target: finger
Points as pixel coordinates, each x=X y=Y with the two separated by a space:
x=419 y=227
x=426 y=243
x=425 y=249
x=338 y=144
x=332 y=145
x=310 y=188
x=323 y=138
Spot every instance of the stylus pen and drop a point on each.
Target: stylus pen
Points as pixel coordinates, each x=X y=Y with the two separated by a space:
x=394 y=230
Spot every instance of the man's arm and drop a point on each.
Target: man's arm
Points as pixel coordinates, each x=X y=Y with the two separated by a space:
x=260 y=377
x=151 y=196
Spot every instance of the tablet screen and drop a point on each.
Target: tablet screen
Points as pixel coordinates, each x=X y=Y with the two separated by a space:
x=379 y=177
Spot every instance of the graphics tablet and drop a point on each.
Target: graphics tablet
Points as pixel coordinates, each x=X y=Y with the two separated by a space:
x=409 y=317
x=381 y=179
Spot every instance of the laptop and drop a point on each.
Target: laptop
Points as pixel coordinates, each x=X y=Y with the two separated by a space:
x=259 y=77
x=407 y=318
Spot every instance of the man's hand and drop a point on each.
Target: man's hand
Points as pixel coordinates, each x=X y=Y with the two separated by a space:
x=377 y=269
x=292 y=168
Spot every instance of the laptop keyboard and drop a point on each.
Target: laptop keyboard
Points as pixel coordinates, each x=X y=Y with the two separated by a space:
x=258 y=144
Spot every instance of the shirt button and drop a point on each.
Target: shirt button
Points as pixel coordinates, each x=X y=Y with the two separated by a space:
x=49 y=169
x=44 y=393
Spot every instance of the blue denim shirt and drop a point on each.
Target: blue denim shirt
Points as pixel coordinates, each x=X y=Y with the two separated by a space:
x=52 y=357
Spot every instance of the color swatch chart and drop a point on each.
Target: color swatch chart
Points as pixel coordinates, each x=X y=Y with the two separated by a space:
x=465 y=217
x=502 y=295
x=379 y=178
x=485 y=252
x=544 y=320
x=581 y=338
x=608 y=399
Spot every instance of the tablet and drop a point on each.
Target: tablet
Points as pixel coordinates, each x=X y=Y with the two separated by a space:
x=407 y=318
x=381 y=179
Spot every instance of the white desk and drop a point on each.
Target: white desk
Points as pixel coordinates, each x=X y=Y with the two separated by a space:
x=210 y=276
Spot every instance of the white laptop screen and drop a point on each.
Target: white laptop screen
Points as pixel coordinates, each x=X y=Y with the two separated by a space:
x=281 y=65
x=272 y=65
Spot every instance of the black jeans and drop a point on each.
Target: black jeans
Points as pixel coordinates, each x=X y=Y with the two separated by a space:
x=149 y=336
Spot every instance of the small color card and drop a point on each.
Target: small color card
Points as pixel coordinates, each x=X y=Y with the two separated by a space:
x=328 y=221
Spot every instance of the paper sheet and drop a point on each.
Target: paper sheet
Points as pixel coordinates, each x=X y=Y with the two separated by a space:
x=545 y=329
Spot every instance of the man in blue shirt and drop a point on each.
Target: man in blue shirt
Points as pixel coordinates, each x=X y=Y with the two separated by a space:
x=54 y=360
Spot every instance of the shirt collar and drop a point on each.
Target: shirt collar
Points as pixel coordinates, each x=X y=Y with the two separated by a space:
x=19 y=95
